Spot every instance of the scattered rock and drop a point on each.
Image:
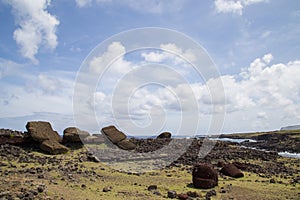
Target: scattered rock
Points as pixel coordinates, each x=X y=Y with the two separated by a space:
x=74 y=135
x=193 y=194
x=113 y=134
x=164 y=135
x=107 y=189
x=41 y=188
x=172 y=194
x=8 y=136
x=182 y=196
x=53 y=147
x=204 y=176
x=272 y=180
x=152 y=187
x=210 y=194
x=92 y=157
x=232 y=171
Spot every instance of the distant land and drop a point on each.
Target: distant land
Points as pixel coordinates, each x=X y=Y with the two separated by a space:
x=286 y=128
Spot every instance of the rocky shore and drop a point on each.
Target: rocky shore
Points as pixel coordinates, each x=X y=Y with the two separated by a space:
x=277 y=141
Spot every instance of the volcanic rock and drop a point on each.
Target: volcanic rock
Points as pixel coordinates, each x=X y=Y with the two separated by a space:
x=203 y=183
x=172 y=194
x=164 y=135
x=40 y=131
x=53 y=147
x=182 y=196
x=204 y=176
x=232 y=171
x=107 y=189
x=113 y=134
x=152 y=187
x=126 y=145
x=8 y=136
x=74 y=135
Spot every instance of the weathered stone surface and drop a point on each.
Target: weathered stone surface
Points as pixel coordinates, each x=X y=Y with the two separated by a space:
x=126 y=145
x=204 y=176
x=53 y=147
x=232 y=171
x=203 y=183
x=8 y=136
x=113 y=134
x=164 y=135
x=40 y=131
x=74 y=135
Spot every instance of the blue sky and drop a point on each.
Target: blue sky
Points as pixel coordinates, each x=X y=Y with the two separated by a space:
x=254 y=44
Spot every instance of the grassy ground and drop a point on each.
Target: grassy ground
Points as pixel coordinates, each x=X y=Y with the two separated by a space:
x=90 y=185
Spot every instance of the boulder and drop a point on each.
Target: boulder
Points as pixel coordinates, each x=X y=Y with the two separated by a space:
x=204 y=176
x=164 y=135
x=53 y=147
x=113 y=134
x=232 y=171
x=40 y=131
x=126 y=145
x=203 y=183
x=74 y=135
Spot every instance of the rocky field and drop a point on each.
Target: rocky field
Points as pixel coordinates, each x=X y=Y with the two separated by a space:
x=28 y=171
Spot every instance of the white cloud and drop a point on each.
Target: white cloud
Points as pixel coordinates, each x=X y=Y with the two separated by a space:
x=36 y=26
x=114 y=56
x=51 y=92
x=227 y=6
x=262 y=91
x=149 y=6
x=172 y=52
x=234 y=6
x=83 y=3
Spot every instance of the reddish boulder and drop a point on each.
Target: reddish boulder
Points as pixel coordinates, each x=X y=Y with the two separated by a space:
x=182 y=196
x=232 y=171
x=203 y=183
x=204 y=176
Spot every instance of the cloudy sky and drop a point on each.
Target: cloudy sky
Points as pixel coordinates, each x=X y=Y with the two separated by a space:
x=254 y=44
